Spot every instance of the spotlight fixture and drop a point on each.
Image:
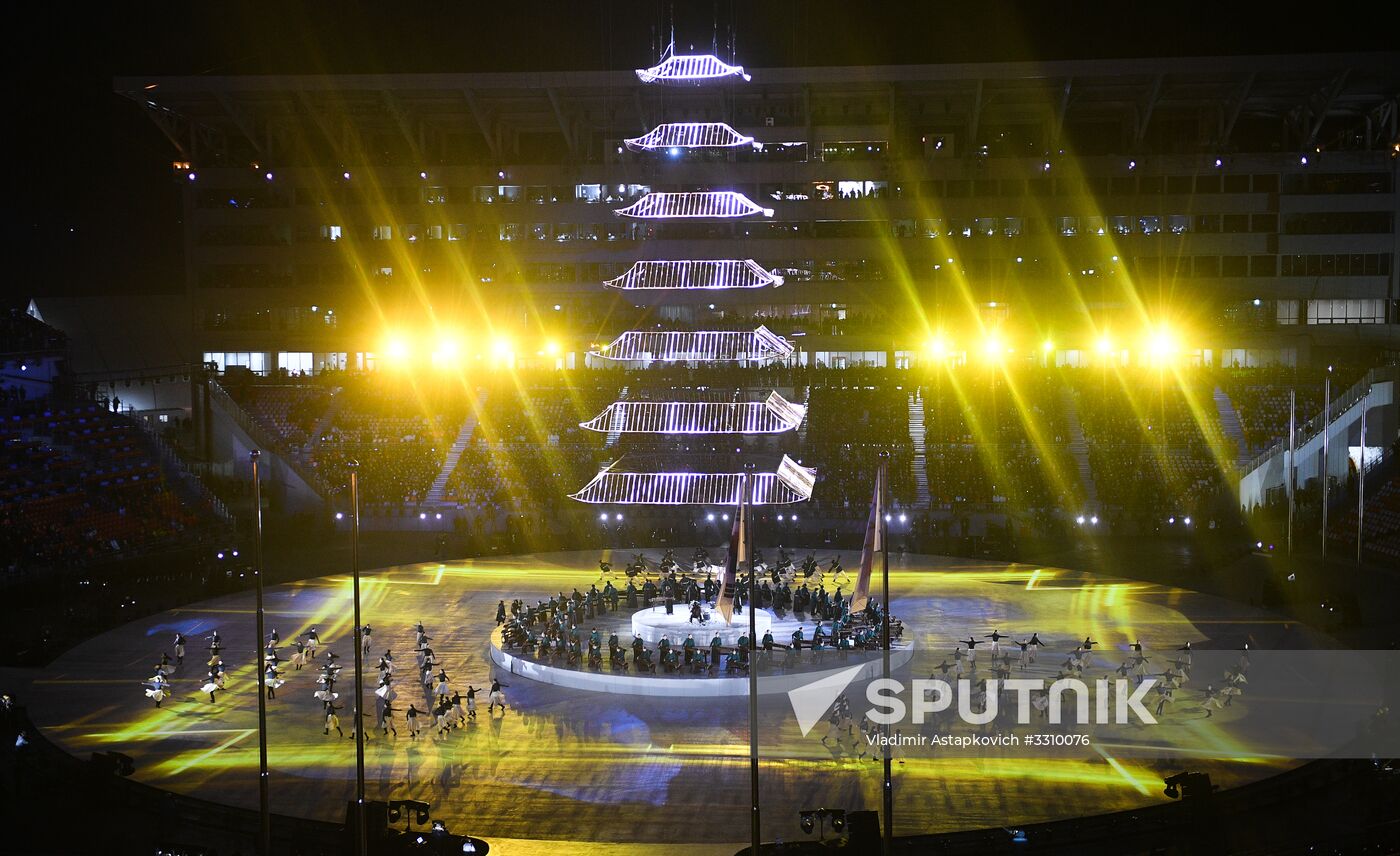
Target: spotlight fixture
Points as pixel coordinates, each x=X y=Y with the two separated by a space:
x=1188 y=785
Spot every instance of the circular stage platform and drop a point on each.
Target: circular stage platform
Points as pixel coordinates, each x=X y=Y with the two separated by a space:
x=567 y=766
x=653 y=623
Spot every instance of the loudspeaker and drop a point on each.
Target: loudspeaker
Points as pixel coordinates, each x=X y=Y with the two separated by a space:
x=863 y=829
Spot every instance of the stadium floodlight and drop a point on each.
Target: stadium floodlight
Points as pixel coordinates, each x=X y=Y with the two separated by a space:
x=1104 y=345
x=447 y=351
x=774 y=415
x=993 y=347
x=696 y=205
x=702 y=346
x=694 y=68
x=1161 y=345
x=397 y=349
x=690 y=135
x=938 y=348
x=788 y=484
x=694 y=274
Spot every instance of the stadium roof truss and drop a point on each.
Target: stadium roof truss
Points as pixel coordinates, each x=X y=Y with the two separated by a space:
x=694 y=68
x=697 y=346
x=789 y=484
x=690 y=135
x=705 y=204
x=695 y=274
x=774 y=415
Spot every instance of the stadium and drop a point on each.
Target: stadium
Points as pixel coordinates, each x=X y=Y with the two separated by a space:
x=694 y=443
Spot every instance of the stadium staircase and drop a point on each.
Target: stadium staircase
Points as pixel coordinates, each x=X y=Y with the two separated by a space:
x=437 y=493
x=802 y=429
x=916 y=438
x=323 y=424
x=1230 y=423
x=1079 y=448
x=618 y=416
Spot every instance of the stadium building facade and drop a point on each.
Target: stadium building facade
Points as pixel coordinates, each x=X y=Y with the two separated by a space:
x=1063 y=210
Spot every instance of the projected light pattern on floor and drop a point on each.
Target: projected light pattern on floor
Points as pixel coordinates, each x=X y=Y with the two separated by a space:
x=570 y=767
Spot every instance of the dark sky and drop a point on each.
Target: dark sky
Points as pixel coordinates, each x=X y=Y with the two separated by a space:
x=98 y=212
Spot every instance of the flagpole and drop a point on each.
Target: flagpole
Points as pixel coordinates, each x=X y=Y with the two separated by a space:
x=360 y=834
x=264 y=810
x=882 y=476
x=755 y=837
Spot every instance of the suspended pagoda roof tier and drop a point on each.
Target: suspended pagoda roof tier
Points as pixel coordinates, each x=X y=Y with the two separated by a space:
x=706 y=204
x=690 y=135
x=789 y=484
x=695 y=68
x=771 y=416
x=695 y=274
x=697 y=346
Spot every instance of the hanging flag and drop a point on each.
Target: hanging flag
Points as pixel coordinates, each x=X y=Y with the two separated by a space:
x=873 y=544
x=738 y=554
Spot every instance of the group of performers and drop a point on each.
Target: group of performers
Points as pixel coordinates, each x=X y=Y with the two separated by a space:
x=445 y=706
x=1086 y=661
x=552 y=630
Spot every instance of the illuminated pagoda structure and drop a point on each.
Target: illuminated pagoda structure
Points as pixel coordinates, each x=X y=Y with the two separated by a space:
x=690 y=135
x=700 y=68
x=702 y=205
x=723 y=346
x=773 y=415
x=788 y=482
x=717 y=274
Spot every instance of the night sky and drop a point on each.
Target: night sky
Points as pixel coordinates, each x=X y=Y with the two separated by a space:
x=96 y=210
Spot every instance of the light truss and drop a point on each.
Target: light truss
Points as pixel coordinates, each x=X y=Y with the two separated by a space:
x=690 y=135
x=709 y=204
x=695 y=68
x=695 y=274
x=697 y=346
x=791 y=483
x=771 y=416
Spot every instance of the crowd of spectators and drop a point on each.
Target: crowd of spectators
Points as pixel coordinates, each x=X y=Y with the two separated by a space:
x=848 y=426
x=999 y=438
x=1156 y=449
x=1260 y=398
x=289 y=411
x=398 y=432
x=527 y=449
x=79 y=484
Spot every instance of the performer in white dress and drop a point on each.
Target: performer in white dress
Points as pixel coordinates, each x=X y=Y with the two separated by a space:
x=386 y=719
x=413 y=726
x=179 y=649
x=158 y=689
x=313 y=641
x=332 y=720
x=496 y=697
x=271 y=680
x=212 y=684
